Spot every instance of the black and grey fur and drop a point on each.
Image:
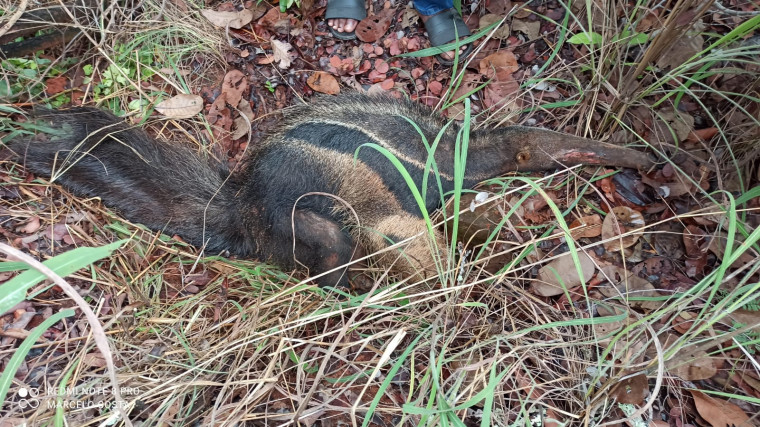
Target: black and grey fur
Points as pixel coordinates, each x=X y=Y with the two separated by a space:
x=254 y=213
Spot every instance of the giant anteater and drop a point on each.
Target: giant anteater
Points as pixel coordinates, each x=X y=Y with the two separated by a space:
x=277 y=208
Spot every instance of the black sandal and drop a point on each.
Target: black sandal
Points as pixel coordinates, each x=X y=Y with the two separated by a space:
x=445 y=27
x=345 y=9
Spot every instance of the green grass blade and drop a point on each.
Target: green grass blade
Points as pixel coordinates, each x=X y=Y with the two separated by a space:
x=58 y=419
x=13 y=266
x=448 y=46
x=14 y=291
x=20 y=354
x=388 y=378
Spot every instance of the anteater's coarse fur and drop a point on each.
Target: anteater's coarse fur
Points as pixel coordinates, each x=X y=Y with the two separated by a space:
x=277 y=208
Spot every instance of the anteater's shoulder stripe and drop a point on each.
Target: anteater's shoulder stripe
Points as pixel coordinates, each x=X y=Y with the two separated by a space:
x=392 y=148
x=356 y=183
x=332 y=149
x=330 y=139
x=356 y=107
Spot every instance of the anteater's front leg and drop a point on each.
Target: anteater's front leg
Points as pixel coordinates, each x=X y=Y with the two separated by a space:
x=416 y=247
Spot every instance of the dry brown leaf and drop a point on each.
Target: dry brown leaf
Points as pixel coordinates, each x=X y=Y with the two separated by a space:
x=182 y=106
x=476 y=218
x=631 y=390
x=617 y=223
x=410 y=16
x=375 y=90
x=683 y=321
x=275 y=20
x=667 y=240
x=648 y=21
x=499 y=66
x=747 y=317
x=603 y=330
x=586 y=226
x=244 y=107
x=681 y=50
x=170 y=414
x=265 y=60
x=532 y=29
x=499 y=7
x=705 y=134
x=719 y=412
x=371 y=28
x=677 y=189
x=672 y=122
x=670 y=189
x=695 y=247
x=435 y=87
x=56 y=85
x=523 y=11
x=324 y=83
x=259 y=9
x=233 y=86
x=561 y=273
x=94 y=359
x=242 y=123
x=501 y=33
x=382 y=66
x=470 y=82
x=750 y=381
x=692 y=365
x=31 y=226
x=628 y=284
x=280 y=51
x=501 y=97
x=718 y=244
x=234 y=20
x=536 y=392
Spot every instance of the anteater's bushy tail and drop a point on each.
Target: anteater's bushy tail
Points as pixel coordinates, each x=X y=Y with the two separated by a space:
x=162 y=185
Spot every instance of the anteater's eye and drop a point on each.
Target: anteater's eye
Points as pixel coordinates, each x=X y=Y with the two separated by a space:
x=523 y=156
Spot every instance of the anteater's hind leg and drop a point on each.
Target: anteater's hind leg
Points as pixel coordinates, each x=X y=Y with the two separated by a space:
x=321 y=244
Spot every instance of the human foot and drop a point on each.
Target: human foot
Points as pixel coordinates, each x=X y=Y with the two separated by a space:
x=343 y=25
x=445 y=27
x=343 y=16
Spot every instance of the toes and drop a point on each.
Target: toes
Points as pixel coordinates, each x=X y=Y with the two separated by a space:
x=450 y=54
x=343 y=25
x=350 y=25
x=336 y=24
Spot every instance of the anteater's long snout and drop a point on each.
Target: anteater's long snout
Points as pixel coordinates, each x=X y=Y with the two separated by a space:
x=579 y=151
x=553 y=148
x=529 y=149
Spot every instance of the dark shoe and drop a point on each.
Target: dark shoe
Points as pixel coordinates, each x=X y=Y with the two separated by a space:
x=445 y=27
x=345 y=9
